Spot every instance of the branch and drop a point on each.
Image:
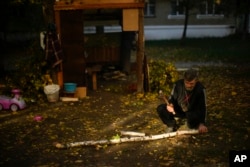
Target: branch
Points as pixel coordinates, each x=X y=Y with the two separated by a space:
x=136 y=136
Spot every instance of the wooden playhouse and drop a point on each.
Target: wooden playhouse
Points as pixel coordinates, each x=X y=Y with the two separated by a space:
x=86 y=50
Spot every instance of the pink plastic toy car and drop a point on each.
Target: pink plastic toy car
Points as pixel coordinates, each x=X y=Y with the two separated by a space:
x=14 y=104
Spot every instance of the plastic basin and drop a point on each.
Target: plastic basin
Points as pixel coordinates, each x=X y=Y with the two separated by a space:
x=70 y=87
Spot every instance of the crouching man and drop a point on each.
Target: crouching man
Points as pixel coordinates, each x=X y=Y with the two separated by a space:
x=187 y=100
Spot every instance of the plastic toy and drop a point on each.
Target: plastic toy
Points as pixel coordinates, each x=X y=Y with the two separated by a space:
x=13 y=103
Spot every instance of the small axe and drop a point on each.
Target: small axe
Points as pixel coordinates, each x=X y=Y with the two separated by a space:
x=164 y=98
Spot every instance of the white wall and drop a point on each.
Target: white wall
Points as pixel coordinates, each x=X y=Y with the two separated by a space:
x=175 y=31
x=193 y=31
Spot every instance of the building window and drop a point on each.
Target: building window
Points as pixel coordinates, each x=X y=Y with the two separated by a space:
x=210 y=9
x=177 y=10
x=149 y=10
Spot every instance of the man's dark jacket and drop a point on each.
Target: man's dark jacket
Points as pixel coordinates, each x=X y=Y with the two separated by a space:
x=194 y=101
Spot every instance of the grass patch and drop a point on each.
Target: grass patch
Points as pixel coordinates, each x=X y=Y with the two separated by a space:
x=205 y=49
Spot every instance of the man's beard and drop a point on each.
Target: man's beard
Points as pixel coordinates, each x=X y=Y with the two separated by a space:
x=189 y=89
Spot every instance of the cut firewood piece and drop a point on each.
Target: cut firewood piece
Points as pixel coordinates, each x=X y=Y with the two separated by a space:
x=69 y=99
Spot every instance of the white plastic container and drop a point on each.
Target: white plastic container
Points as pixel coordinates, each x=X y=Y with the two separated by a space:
x=52 y=92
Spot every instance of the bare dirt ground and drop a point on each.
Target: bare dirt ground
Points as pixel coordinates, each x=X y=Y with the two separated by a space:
x=110 y=109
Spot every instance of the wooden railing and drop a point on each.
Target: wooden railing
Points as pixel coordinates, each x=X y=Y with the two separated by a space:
x=102 y=55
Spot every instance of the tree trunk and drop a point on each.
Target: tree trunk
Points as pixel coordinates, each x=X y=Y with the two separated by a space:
x=133 y=137
x=184 y=34
x=242 y=18
x=246 y=21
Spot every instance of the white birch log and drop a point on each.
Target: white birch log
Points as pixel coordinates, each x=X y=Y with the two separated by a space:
x=126 y=139
x=130 y=133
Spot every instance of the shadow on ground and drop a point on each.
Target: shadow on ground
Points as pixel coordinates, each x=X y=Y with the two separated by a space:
x=107 y=111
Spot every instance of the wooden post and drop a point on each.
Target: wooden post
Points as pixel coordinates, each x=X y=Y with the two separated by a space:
x=94 y=80
x=58 y=23
x=140 y=51
x=58 y=30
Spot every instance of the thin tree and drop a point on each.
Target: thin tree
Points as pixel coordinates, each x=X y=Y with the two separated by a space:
x=188 y=6
x=243 y=11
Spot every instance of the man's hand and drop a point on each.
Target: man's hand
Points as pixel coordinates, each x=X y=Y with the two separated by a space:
x=170 y=108
x=202 y=128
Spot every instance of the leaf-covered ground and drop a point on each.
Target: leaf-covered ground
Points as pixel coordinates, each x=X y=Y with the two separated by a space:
x=104 y=113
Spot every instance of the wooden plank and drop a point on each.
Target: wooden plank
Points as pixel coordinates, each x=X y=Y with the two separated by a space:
x=72 y=43
x=104 y=1
x=65 y=99
x=94 y=80
x=130 y=19
x=58 y=30
x=95 y=1
x=58 y=23
x=98 y=6
x=140 y=52
x=102 y=54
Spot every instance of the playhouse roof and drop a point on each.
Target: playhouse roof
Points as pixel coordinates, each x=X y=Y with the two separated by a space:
x=97 y=4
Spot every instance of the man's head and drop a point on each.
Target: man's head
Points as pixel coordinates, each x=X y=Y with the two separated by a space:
x=190 y=79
